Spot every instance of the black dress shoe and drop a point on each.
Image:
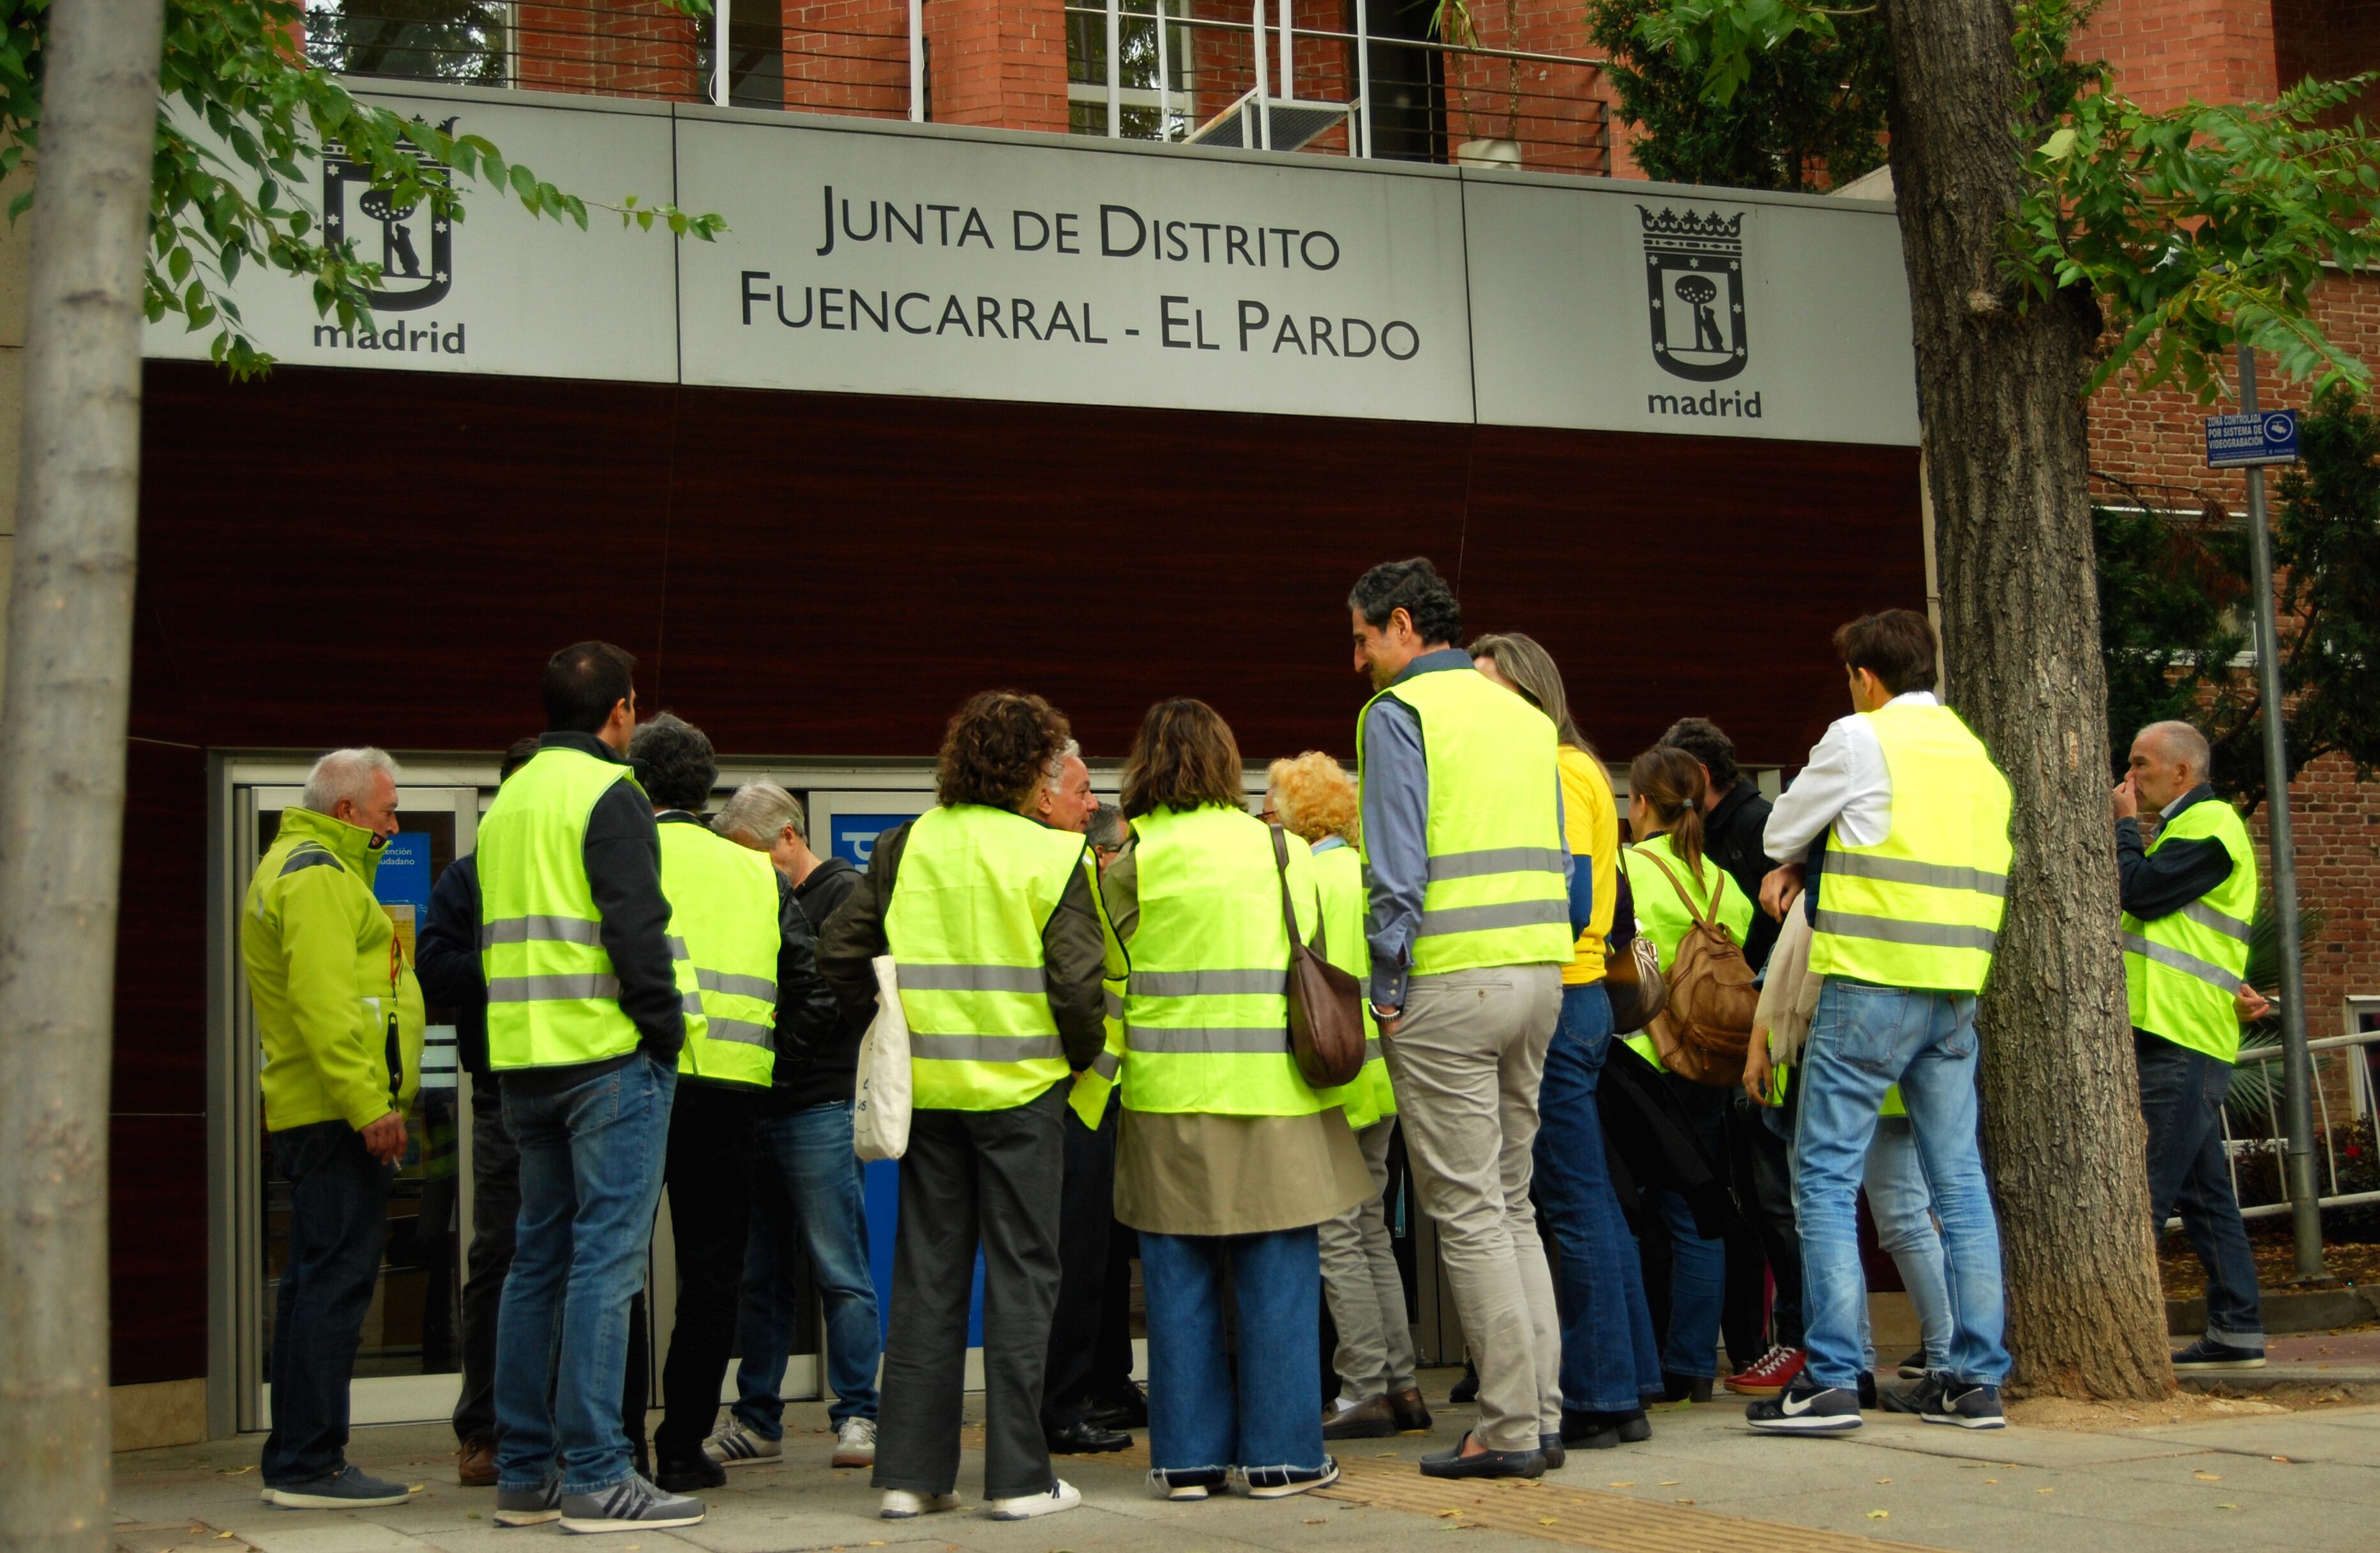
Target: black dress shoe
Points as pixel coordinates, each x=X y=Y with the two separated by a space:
x=1127 y=1410
x=1550 y=1448
x=1411 y=1413
x=1676 y=1387
x=692 y=1474
x=1467 y=1389
x=1634 y=1427
x=1085 y=1439
x=1588 y=1431
x=1488 y=1464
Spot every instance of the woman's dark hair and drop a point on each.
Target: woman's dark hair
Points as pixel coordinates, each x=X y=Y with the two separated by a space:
x=1184 y=757
x=998 y=750
x=1671 y=781
x=1414 y=587
x=583 y=682
x=1897 y=647
x=1704 y=740
x=675 y=762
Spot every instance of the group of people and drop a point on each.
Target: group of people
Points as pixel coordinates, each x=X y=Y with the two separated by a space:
x=1099 y=1009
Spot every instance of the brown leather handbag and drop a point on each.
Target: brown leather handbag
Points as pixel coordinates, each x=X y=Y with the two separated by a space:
x=1326 y=1010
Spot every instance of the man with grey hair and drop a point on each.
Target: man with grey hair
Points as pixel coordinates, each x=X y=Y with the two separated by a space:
x=807 y=1186
x=339 y=1016
x=2189 y=897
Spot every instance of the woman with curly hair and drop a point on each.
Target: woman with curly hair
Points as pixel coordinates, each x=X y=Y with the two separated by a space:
x=991 y=920
x=1314 y=797
x=1227 y=1159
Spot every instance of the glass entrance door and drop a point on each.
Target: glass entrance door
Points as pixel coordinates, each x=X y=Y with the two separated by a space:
x=408 y=1359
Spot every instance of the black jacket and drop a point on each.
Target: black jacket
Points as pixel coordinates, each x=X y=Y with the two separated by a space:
x=623 y=856
x=446 y=961
x=2152 y=886
x=1073 y=953
x=827 y=1071
x=1732 y=838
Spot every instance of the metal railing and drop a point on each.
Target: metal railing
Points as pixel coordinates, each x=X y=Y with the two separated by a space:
x=2328 y=1054
x=1217 y=72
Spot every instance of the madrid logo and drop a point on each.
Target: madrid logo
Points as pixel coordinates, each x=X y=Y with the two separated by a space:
x=391 y=234
x=1693 y=286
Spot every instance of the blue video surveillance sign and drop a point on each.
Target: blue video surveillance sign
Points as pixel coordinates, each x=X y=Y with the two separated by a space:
x=2267 y=438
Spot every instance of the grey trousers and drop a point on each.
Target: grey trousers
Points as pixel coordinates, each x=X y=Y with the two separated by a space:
x=973 y=1178
x=1366 y=1293
x=1466 y=1060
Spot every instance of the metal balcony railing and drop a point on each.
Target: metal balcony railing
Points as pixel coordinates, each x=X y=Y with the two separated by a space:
x=1215 y=72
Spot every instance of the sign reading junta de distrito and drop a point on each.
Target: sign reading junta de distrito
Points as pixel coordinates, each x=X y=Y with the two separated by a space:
x=863 y=257
x=2268 y=437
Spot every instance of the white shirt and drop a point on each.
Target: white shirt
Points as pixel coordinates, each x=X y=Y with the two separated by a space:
x=1847 y=785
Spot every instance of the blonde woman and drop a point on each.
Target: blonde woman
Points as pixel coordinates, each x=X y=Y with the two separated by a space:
x=1314 y=797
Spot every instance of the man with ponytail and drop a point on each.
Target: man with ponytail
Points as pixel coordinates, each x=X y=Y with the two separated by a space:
x=1900 y=827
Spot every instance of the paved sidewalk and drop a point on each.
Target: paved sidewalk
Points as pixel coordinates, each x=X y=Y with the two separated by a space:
x=2308 y=1482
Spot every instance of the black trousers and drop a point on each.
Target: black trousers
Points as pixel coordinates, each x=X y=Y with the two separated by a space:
x=1086 y=1213
x=708 y=1171
x=495 y=1209
x=992 y=1179
x=1111 y=1362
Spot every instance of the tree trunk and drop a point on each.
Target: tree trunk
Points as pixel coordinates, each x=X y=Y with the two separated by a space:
x=2001 y=399
x=62 y=763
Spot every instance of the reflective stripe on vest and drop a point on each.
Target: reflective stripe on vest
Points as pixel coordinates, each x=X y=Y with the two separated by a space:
x=1207 y=1004
x=723 y=909
x=1495 y=894
x=975 y=888
x=1921 y=907
x=2180 y=969
x=552 y=996
x=1340 y=886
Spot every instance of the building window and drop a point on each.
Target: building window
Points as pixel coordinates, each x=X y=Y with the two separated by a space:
x=1139 y=110
x=412 y=40
x=2363 y=1018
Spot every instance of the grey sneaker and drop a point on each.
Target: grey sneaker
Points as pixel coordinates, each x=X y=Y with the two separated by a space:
x=529 y=1507
x=629 y=1505
x=854 y=1444
x=344 y=1489
x=737 y=1444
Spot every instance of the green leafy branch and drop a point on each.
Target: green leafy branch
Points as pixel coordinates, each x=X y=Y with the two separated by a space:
x=240 y=115
x=2196 y=228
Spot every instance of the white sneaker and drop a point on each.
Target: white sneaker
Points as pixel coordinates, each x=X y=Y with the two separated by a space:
x=855 y=1443
x=737 y=1444
x=1062 y=1495
x=901 y=1505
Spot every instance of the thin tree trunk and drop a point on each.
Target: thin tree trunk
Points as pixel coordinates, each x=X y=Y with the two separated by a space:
x=2001 y=395
x=62 y=763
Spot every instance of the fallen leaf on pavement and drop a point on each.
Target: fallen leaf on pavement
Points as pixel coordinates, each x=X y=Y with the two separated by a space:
x=1883 y=1480
x=1670 y=1482
x=1879 y=1515
x=1546 y=1521
x=2045 y=1490
x=1993 y=1481
x=1681 y=1501
x=1625 y=1482
x=242 y=1472
x=2207 y=1476
x=1314 y=1519
x=1444 y=1513
x=2282 y=1460
x=2226 y=1507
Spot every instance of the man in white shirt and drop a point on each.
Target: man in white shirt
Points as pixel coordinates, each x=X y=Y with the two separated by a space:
x=1909 y=818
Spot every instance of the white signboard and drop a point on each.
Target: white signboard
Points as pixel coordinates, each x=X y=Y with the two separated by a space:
x=1651 y=307
x=501 y=292
x=900 y=259
x=1014 y=268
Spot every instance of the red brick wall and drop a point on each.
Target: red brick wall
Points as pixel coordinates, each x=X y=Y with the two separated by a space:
x=2336 y=823
x=620 y=48
x=2167 y=51
x=848 y=56
x=1552 y=110
x=997 y=63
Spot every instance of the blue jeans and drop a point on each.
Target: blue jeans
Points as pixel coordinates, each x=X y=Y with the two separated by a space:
x=591 y=1179
x=807 y=1185
x=1198 y=1421
x=1903 y=1207
x=338 y=1216
x=1697 y=1265
x=1608 y=1364
x=2182 y=1097
x=1864 y=1039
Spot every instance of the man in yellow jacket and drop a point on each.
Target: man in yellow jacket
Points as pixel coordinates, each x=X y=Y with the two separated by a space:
x=339 y=1016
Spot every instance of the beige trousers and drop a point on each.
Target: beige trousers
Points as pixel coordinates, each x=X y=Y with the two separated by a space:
x=1365 y=1292
x=1465 y=1060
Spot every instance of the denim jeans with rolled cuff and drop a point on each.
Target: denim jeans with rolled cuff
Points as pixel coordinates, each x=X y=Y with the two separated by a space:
x=1203 y=1417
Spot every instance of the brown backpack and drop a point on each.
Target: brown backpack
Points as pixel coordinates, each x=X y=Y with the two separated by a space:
x=1702 y=1031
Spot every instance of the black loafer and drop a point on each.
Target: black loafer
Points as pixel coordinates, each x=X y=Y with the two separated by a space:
x=1086 y=1439
x=695 y=1472
x=1488 y=1464
x=1550 y=1448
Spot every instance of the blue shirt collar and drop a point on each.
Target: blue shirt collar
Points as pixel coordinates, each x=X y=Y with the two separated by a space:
x=1433 y=663
x=1330 y=841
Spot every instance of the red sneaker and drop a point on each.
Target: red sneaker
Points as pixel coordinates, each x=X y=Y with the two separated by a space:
x=1770 y=1375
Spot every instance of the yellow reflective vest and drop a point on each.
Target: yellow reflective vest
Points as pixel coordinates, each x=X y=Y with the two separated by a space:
x=553 y=999
x=1338 y=887
x=724 y=934
x=2181 y=969
x=1495 y=894
x=1921 y=907
x=1207 y=1002
x=976 y=888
